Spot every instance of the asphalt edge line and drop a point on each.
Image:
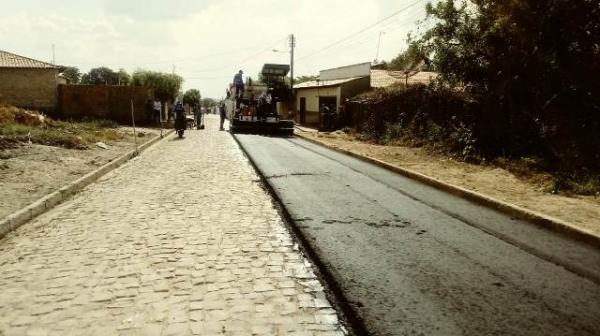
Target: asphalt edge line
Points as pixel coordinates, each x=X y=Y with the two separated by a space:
x=14 y=220
x=534 y=217
x=349 y=314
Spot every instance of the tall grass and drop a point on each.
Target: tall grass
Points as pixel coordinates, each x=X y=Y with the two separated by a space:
x=18 y=125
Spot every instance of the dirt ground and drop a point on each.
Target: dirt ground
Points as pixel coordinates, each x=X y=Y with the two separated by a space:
x=29 y=172
x=581 y=211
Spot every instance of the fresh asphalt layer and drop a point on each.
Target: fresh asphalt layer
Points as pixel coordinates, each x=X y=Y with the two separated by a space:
x=410 y=259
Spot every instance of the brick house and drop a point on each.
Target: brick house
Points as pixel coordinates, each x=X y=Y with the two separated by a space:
x=28 y=83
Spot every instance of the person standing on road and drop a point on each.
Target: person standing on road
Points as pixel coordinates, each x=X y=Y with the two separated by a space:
x=157 y=107
x=197 y=115
x=238 y=83
x=222 y=113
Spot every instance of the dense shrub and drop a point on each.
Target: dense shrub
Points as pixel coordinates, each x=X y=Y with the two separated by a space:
x=516 y=79
x=7 y=113
x=421 y=114
x=532 y=67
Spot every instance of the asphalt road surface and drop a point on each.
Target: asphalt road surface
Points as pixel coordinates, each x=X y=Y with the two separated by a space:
x=412 y=260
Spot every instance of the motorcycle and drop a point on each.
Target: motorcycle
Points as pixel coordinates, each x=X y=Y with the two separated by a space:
x=180 y=120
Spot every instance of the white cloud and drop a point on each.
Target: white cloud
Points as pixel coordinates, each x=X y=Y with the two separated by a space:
x=206 y=41
x=159 y=10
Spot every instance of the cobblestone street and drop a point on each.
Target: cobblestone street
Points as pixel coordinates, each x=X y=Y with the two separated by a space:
x=179 y=241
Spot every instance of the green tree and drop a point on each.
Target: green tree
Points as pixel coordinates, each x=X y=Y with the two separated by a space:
x=208 y=102
x=72 y=74
x=100 y=76
x=191 y=97
x=123 y=78
x=383 y=65
x=415 y=57
x=533 y=66
x=166 y=86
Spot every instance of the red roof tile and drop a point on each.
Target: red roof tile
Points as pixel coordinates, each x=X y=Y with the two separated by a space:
x=10 y=60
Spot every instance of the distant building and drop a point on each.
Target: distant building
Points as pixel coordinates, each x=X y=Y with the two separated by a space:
x=335 y=85
x=331 y=90
x=28 y=83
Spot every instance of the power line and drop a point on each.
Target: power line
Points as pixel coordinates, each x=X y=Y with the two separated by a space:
x=361 y=31
x=244 y=60
x=238 y=64
x=220 y=77
x=262 y=51
x=358 y=43
x=188 y=59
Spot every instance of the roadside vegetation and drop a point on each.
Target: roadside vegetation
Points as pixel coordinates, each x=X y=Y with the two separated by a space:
x=517 y=88
x=166 y=86
x=20 y=126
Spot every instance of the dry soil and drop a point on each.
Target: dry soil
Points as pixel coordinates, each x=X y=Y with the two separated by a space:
x=29 y=172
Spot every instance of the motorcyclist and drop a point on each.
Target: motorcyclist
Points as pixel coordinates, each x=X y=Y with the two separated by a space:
x=180 y=122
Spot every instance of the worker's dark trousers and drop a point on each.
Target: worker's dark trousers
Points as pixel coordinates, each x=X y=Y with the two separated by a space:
x=198 y=120
x=239 y=92
x=222 y=120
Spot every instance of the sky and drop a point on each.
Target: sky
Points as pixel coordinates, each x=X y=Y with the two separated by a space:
x=208 y=41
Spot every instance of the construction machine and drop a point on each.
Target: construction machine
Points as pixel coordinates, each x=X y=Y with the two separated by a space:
x=262 y=107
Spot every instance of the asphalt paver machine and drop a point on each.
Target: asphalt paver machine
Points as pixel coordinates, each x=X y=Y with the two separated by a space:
x=261 y=106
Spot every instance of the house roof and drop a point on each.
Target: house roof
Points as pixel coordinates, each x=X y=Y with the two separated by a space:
x=384 y=78
x=379 y=78
x=324 y=83
x=10 y=60
x=422 y=77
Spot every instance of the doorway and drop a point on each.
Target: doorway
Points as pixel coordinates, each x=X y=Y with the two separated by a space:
x=327 y=113
x=329 y=101
x=302 y=110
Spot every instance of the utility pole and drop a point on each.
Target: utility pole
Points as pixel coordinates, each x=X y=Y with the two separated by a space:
x=378 y=45
x=292 y=45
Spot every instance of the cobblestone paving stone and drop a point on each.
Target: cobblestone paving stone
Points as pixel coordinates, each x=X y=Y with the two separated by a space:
x=179 y=241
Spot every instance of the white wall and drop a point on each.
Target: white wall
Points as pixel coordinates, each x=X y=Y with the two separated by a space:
x=356 y=70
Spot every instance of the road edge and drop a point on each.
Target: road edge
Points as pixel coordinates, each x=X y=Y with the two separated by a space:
x=49 y=201
x=352 y=318
x=534 y=217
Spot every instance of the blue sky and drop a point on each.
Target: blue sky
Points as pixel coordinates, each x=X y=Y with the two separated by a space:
x=205 y=41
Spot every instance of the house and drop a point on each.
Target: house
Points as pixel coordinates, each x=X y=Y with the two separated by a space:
x=334 y=86
x=331 y=90
x=28 y=83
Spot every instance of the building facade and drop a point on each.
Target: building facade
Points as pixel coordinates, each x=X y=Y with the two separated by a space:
x=28 y=83
x=331 y=90
x=312 y=96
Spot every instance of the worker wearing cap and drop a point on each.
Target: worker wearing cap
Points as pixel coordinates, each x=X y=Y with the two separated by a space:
x=238 y=83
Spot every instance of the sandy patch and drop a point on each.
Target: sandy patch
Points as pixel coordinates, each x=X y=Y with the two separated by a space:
x=28 y=173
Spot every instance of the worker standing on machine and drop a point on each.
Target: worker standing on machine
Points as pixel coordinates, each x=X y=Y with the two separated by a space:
x=238 y=83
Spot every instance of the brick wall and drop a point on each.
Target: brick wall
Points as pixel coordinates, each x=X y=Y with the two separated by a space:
x=29 y=88
x=102 y=101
